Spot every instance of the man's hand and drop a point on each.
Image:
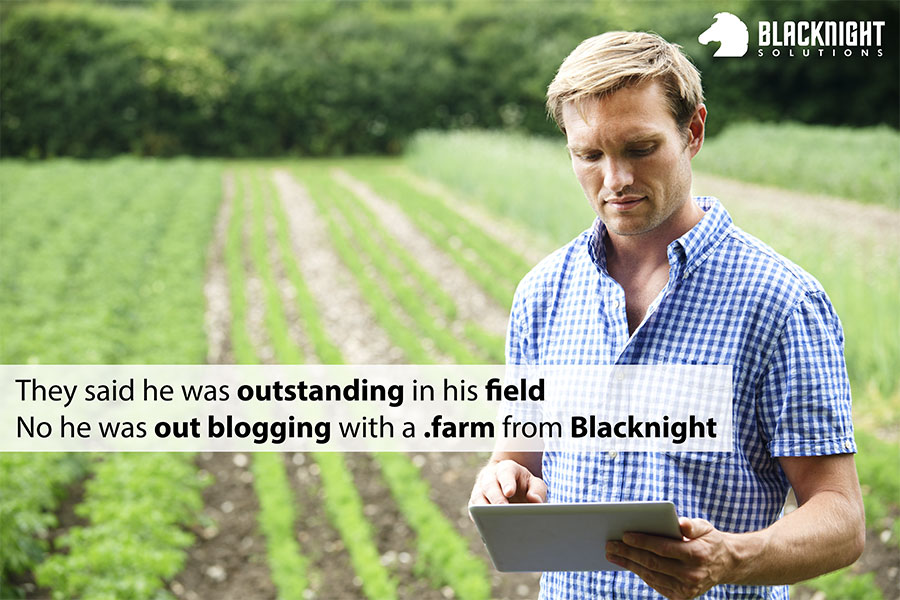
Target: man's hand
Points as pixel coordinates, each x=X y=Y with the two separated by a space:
x=677 y=569
x=507 y=481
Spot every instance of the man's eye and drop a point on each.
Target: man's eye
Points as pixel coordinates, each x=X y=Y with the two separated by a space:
x=643 y=151
x=592 y=156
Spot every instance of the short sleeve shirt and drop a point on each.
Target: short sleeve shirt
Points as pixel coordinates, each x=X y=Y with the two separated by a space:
x=729 y=300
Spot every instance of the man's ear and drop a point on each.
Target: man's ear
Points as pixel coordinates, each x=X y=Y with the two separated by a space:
x=697 y=128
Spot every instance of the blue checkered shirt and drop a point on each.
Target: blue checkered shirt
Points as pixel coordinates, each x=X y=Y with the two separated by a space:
x=732 y=300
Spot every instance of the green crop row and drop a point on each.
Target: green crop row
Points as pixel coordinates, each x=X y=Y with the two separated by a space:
x=385 y=312
x=488 y=262
x=32 y=487
x=443 y=553
x=241 y=344
x=137 y=506
x=362 y=233
x=342 y=502
x=444 y=556
x=464 y=573
x=277 y=520
x=344 y=506
x=368 y=229
x=277 y=516
x=324 y=349
x=345 y=509
x=276 y=322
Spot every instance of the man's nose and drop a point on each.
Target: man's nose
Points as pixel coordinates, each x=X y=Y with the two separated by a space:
x=617 y=175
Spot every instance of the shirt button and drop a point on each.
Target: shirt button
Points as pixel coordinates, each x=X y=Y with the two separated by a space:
x=616 y=304
x=613 y=454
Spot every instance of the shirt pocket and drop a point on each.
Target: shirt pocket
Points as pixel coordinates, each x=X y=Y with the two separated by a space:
x=699 y=458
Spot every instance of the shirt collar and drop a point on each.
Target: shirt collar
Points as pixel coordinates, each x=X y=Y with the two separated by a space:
x=687 y=252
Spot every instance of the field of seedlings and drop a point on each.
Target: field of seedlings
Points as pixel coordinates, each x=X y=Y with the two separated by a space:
x=338 y=261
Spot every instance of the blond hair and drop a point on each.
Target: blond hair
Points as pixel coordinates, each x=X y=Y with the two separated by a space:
x=605 y=63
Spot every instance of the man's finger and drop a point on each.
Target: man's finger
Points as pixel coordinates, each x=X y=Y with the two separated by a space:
x=662 y=546
x=645 y=558
x=490 y=488
x=537 y=490
x=511 y=476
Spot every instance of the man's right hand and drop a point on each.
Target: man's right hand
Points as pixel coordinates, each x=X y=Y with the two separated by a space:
x=507 y=482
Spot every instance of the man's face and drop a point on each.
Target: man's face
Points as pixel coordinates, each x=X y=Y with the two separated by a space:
x=632 y=161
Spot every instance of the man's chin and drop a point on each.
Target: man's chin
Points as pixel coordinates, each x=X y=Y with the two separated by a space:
x=628 y=227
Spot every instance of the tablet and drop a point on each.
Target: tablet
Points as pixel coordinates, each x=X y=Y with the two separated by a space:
x=566 y=537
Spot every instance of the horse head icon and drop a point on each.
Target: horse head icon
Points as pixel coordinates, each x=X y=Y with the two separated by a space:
x=729 y=30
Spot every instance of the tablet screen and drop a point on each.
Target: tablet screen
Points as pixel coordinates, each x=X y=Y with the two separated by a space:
x=566 y=537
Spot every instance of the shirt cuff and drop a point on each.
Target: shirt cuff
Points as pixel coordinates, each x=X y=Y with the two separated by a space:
x=842 y=445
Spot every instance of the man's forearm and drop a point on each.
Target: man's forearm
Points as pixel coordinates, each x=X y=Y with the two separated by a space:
x=824 y=534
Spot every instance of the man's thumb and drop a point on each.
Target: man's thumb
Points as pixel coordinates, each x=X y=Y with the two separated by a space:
x=694 y=528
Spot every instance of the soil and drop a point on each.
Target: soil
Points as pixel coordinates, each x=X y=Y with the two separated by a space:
x=331 y=572
x=228 y=560
x=393 y=536
x=451 y=476
x=473 y=304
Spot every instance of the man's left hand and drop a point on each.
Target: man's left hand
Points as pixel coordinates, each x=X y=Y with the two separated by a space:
x=677 y=569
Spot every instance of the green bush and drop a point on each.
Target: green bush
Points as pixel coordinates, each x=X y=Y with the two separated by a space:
x=93 y=81
x=333 y=78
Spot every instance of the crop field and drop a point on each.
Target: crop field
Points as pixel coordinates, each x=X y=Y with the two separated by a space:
x=337 y=261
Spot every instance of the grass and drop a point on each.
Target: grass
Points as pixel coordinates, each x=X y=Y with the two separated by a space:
x=859 y=164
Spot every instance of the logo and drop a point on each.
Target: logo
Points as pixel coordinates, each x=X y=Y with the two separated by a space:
x=730 y=31
x=790 y=39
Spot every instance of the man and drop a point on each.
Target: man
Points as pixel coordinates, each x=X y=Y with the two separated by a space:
x=664 y=278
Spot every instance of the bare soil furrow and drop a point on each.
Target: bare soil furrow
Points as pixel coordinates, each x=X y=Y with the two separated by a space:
x=286 y=290
x=329 y=280
x=228 y=560
x=472 y=302
x=348 y=320
x=450 y=476
x=331 y=573
x=217 y=317
x=393 y=534
x=256 y=306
